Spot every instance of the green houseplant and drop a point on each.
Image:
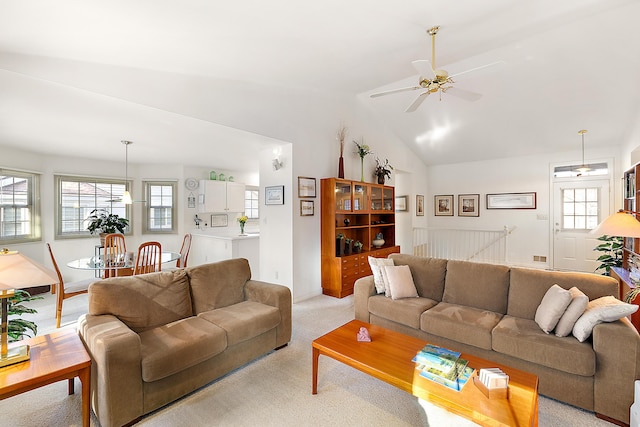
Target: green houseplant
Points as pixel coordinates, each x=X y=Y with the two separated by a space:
x=19 y=327
x=100 y=221
x=612 y=256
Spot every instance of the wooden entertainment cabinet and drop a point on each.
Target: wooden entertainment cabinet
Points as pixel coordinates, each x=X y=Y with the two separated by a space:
x=359 y=211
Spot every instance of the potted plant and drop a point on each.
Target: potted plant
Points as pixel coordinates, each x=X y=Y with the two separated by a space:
x=340 y=244
x=102 y=222
x=382 y=170
x=357 y=247
x=612 y=257
x=348 y=246
x=18 y=327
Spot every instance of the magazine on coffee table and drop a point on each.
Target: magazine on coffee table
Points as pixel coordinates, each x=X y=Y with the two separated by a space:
x=443 y=366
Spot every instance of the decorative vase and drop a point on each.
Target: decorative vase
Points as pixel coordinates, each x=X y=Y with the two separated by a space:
x=381 y=178
x=339 y=247
x=361 y=169
x=213 y=176
x=341 y=167
x=242 y=229
x=102 y=238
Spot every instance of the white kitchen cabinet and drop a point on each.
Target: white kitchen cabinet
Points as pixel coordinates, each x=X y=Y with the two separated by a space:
x=221 y=196
x=206 y=248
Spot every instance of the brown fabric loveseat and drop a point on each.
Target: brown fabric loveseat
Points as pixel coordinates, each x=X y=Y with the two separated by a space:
x=156 y=337
x=488 y=311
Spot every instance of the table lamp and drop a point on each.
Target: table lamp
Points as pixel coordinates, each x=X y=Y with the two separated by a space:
x=620 y=224
x=17 y=272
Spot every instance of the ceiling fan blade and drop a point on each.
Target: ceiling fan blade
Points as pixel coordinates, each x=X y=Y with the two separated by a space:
x=389 y=92
x=493 y=64
x=467 y=95
x=423 y=66
x=416 y=102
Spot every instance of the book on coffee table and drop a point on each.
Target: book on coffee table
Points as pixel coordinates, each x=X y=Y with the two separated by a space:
x=438 y=359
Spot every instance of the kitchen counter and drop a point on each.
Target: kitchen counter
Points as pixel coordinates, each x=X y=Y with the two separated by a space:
x=212 y=245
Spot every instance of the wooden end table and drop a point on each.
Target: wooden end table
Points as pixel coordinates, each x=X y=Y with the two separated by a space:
x=388 y=358
x=54 y=357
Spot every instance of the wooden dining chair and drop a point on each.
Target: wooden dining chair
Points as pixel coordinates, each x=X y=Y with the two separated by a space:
x=149 y=258
x=66 y=290
x=115 y=246
x=184 y=251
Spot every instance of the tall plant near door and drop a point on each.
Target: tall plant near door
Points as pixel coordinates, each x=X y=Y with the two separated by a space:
x=612 y=248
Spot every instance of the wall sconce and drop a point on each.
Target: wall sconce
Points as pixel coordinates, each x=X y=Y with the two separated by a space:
x=277 y=164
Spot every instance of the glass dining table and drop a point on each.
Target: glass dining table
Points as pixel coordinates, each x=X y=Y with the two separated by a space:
x=97 y=263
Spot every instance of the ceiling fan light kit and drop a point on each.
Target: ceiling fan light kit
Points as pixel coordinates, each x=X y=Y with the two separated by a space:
x=433 y=80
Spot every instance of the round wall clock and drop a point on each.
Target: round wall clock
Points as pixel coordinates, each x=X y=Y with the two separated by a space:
x=191 y=184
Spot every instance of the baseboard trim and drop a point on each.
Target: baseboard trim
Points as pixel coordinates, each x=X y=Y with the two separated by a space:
x=611 y=420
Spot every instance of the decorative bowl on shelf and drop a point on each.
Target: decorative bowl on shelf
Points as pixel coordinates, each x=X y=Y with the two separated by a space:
x=378 y=243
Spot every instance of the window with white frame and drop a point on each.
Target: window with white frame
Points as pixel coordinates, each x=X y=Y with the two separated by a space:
x=19 y=209
x=251 y=202
x=580 y=208
x=77 y=196
x=160 y=216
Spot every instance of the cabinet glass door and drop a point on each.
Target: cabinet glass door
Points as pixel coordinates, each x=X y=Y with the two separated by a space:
x=343 y=196
x=376 y=198
x=359 y=197
x=387 y=199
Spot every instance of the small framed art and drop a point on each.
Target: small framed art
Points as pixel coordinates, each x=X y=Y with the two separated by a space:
x=511 y=201
x=443 y=205
x=274 y=195
x=306 y=208
x=419 y=205
x=468 y=205
x=306 y=187
x=401 y=204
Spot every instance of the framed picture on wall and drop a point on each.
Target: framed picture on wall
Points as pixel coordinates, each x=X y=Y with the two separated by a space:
x=419 y=205
x=306 y=187
x=511 y=201
x=468 y=205
x=401 y=204
x=306 y=208
x=443 y=205
x=274 y=195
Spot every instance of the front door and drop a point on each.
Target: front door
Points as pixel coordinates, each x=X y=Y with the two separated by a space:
x=578 y=207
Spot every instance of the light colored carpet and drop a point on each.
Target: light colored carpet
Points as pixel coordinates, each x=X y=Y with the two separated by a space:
x=274 y=390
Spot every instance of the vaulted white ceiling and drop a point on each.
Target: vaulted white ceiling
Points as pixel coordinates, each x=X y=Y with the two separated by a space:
x=183 y=79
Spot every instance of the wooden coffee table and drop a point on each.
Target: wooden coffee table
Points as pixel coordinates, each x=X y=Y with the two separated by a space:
x=54 y=357
x=388 y=358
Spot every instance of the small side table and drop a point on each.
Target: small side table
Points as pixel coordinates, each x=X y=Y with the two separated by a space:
x=54 y=357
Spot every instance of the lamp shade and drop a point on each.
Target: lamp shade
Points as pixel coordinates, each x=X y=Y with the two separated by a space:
x=620 y=224
x=18 y=271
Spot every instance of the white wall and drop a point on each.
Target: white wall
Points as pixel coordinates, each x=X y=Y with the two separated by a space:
x=519 y=174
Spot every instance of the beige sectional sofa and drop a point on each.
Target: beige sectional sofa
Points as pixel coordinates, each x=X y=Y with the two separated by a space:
x=156 y=337
x=489 y=310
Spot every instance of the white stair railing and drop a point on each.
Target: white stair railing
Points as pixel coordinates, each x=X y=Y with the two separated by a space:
x=466 y=245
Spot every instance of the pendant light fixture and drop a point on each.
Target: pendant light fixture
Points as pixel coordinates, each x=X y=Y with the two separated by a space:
x=584 y=168
x=126 y=196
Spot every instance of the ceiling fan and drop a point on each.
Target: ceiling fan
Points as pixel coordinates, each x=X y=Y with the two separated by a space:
x=433 y=80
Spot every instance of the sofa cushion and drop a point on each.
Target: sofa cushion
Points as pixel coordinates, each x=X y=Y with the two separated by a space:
x=176 y=346
x=405 y=311
x=399 y=281
x=244 y=320
x=145 y=301
x=552 y=307
x=528 y=286
x=576 y=307
x=467 y=325
x=378 y=279
x=219 y=284
x=604 y=309
x=428 y=274
x=522 y=338
x=483 y=286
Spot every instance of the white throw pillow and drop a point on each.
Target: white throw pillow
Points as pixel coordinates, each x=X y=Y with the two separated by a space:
x=378 y=279
x=551 y=308
x=400 y=282
x=573 y=312
x=604 y=309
